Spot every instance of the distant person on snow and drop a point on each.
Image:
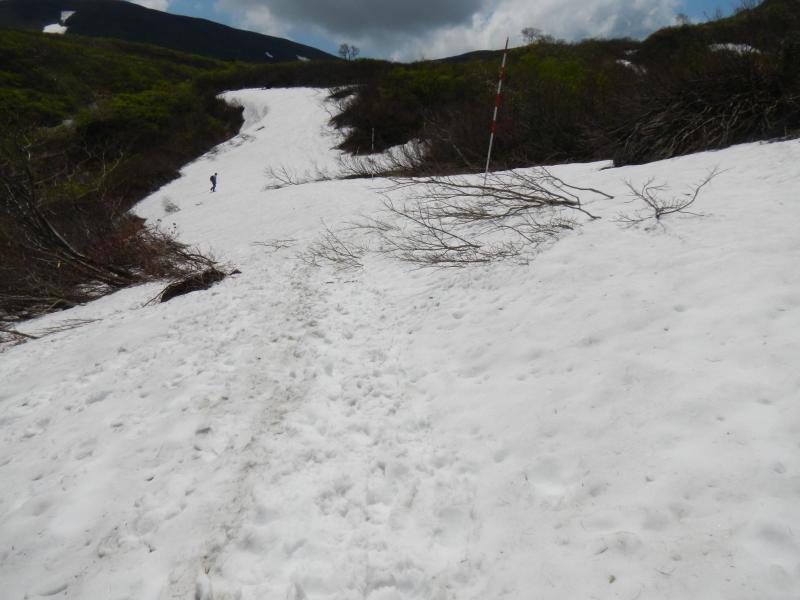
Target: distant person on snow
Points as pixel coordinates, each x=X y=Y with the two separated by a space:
x=214 y=182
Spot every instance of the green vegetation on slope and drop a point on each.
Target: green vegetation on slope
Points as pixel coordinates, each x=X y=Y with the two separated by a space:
x=89 y=127
x=684 y=89
x=46 y=79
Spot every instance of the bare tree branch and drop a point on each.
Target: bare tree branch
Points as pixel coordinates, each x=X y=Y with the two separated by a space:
x=657 y=201
x=332 y=249
x=456 y=221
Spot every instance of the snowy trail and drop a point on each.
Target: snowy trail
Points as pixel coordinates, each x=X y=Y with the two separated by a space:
x=616 y=419
x=346 y=520
x=163 y=428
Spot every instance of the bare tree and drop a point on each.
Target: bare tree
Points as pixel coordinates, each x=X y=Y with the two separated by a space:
x=457 y=221
x=501 y=194
x=660 y=203
x=282 y=176
x=397 y=161
x=682 y=19
x=10 y=336
x=715 y=16
x=276 y=244
x=534 y=35
x=394 y=162
x=348 y=51
x=424 y=236
x=334 y=250
x=746 y=5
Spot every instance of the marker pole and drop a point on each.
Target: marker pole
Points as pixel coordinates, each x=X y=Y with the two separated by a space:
x=496 y=106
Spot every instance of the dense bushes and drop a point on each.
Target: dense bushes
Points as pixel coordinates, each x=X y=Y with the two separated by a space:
x=86 y=129
x=719 y=99
x=403 y=100
x=45 y=79
x=295 y=74
x=64 y=235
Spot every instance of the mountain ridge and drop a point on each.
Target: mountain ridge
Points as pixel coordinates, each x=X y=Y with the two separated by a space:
x=130 y=22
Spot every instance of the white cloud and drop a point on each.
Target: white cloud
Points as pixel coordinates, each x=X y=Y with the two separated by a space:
x=414 y=29
x=156 y=4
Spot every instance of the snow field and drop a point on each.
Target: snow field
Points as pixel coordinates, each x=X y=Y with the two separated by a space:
x=616 y=418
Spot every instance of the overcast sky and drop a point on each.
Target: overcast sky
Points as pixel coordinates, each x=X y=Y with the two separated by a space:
x=414 y=29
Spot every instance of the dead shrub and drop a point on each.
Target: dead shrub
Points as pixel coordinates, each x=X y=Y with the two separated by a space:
x=659 y=202
x=723 y=98
x=192 y=283
x=66 y=239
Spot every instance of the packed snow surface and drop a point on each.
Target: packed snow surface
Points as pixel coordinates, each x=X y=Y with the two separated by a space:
x=617 y=416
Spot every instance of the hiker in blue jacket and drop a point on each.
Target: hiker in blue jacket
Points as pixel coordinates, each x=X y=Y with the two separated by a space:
x=214 y=182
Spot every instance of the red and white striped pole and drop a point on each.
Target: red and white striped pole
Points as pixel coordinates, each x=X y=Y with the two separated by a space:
x=496 y=106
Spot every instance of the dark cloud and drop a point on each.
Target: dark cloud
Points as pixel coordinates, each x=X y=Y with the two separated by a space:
x=412 y=29
x=354 y=17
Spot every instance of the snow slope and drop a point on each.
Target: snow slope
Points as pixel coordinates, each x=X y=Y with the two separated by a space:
x=617 y=418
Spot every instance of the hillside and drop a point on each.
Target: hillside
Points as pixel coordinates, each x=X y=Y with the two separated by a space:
x=612 y=415
x=47 y=79
x=88 y=127
x=123 y=20
x=682 y=90
x=100 y=123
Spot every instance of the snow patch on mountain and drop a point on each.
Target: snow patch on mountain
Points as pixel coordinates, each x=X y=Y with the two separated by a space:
x=56 y=28
x=60 y=27
x=736 y=48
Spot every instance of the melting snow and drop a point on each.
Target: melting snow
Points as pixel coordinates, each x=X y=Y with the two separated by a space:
x=737 y=48
x=55 y=28
x=60 y=27
x=633 y=66
x=617 y=418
